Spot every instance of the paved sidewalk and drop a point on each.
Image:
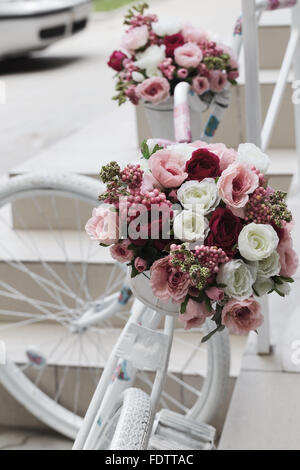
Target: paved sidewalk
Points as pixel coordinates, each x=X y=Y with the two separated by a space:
x=32 y=440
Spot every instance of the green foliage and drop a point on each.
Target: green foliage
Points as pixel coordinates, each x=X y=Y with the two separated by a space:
x=146 y=152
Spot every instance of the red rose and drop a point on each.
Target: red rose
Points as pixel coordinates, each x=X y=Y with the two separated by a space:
x=203 y=164
x=172 y=42
x=224 y=230
x=116 y=60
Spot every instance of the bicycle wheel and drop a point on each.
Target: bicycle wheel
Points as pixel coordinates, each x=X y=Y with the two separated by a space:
x=51 y=276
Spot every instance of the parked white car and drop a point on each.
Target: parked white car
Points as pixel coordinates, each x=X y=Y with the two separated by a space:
x=31 y=25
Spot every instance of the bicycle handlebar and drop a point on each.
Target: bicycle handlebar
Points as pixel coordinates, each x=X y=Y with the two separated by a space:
x=220 y=102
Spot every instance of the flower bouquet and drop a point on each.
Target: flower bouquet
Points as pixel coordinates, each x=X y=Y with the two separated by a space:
x=156 y=54
x=201 y=231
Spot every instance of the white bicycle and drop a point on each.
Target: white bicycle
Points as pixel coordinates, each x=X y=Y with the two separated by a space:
x=63 y=305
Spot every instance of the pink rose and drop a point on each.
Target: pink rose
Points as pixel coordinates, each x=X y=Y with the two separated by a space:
x=214 y=293
x=189 y=55
x=140 y=264
x=149 y=183
x=200 y=84
x=135 y=38
x=195 y=315
x=192 y=34
x=168 y=282
x=227 y=156
x=103 y=226
x=120 y=252
x=242 y=316
x=168 y=168
x=288 y=256
x=236 y=183
x=218 y=80
x=154 y=89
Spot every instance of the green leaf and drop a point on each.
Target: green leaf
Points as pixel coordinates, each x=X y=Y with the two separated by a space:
x=255 y=292
x=279 y=293
x=134 y=271
x=145 y=150
x=208 y=304
x=184 y=304
x=287 y=279
x=277 y=280
x=207 y=337
x=156 y=149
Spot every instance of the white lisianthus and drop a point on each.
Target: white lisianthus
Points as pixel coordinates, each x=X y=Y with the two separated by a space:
x=269 y=266
x=257 y=241
x=283 y=289
x=263 y=285
x=253 y=156
x=138 y=77
x=166 y=26
x=185 y=150
x=190 y=226
x=195 y=195
x=238 y=278
x=150 y=58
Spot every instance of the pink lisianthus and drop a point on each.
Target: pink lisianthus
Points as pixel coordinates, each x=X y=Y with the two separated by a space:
x=168 y=168
x=195 y=315
x=242 y=316
x=131 y=94
x=168 y=282
x=288 y=256
x=218 y=80
x=214 y=293
x=135 y=38
x=236 y=183
x=189 y=55
x=103 y=226
x=154 y=89
x=227 y=156
x=149 y=183
x=140 y=264
x=120 y=252
x=200 y=84
x=192 y=34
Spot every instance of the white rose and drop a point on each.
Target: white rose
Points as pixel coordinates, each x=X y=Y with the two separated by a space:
x=257 y=241
x=238 y=278
x=203 y=195
x=150 y=58
x=263 y=285
x=185 y=150
x=190 y=226
x=166 y=26
x=138 y=77
x=253 y=156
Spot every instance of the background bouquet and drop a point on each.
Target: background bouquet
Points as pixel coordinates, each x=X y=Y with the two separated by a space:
x=155 y=55
x=204 y=222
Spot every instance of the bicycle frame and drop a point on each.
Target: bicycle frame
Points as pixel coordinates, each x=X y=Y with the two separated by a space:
x=131 y=353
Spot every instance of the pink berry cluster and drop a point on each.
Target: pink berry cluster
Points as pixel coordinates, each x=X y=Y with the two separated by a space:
x=140 y=20
x=210 y=49
x=167 y=68
x=258 y=209
x=132 y=175
x=211 y=257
